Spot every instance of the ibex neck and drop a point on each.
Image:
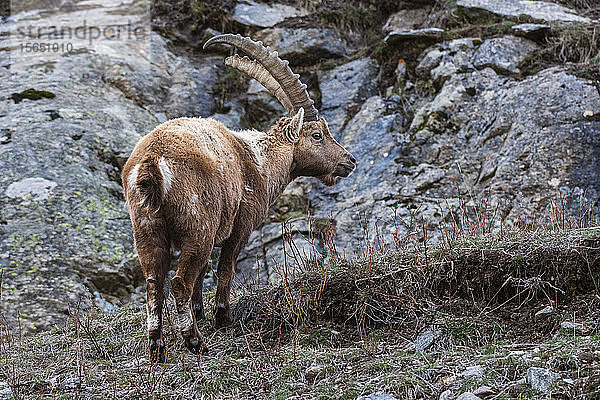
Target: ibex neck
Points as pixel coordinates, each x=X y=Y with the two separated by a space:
x=273 y=160
x=277 y=169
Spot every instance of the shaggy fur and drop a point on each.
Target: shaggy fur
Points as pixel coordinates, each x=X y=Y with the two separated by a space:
x=192 y=184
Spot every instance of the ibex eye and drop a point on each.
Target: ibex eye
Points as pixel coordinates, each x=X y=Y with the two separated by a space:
x=317 y=135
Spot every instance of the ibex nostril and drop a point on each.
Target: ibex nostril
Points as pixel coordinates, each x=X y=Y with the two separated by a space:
x=351 y=158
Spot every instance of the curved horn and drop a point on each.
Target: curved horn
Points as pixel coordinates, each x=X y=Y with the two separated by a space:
x=258 y=72
x=279 y=69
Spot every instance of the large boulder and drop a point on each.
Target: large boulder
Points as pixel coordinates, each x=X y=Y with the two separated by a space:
x=503 y=54
x=526 y=141
x=303 y=46
x=539 y=10
x=344 y=89
x=251 y=13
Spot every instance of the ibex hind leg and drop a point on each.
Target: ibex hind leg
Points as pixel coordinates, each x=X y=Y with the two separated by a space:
x=192 y=261
x=197 y=304
x=154 y=254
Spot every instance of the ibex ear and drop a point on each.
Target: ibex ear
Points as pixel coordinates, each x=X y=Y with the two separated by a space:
x=324 y=123
x=292 y=131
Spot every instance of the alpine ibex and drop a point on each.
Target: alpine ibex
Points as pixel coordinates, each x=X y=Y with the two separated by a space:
x=192 y=184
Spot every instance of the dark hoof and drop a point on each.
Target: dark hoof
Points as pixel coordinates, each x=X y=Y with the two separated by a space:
x=223 y=318
x=195 y=345
x=199 y=312
x=158 y=351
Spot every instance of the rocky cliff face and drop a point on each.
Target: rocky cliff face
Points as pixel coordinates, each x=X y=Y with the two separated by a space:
x=438 y=120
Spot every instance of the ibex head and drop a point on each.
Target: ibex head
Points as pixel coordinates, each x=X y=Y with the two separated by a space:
x=316 y=152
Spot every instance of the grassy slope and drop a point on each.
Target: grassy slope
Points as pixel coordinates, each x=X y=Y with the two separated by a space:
x=346 y=330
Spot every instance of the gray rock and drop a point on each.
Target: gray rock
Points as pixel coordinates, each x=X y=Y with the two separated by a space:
x=270 y=253
x=406 y=20
x=374 y=151
x=30 y=188
x=426 y=176
x=190 y=91
x=544 y=311
x=6 y=392
x=467 y=396
x=163 y=83
x=531 y=126
x=232 y=119
x=475 y=371
x=572 y=326
x=541 y=10
x=462 y=55
x=414 y=34
x=303 y=46
x=541 y=378
x=446 y=395
x=503 y=54
x=376 y=396
x=443 y=60
x=262 y=107
x=484 y=391
x=344 y=89
x=531 y=31
x=424 y=340
x=251 y=13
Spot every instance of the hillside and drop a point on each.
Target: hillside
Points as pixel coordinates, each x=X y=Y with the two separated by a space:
x=505 y=317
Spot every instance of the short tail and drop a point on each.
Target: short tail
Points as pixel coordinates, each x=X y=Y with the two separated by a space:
x=150 y=184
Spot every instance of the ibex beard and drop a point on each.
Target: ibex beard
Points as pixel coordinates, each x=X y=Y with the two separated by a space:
x=192 y=184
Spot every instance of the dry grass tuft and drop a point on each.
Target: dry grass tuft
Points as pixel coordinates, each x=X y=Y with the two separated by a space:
x=404 y=290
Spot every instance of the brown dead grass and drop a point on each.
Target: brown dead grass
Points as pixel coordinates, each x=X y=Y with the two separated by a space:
x=481 y=278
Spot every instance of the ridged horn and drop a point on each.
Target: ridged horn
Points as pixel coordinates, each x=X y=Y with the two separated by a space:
x=278 y=68
x=258 y=72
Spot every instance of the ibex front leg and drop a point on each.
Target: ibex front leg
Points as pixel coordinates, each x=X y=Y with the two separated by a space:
x=192 y=261
x=225 y=272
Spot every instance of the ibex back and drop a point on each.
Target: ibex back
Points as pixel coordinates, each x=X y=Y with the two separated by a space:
x=192 y=184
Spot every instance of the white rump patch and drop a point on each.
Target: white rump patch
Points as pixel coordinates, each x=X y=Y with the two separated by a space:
x=167 y=174
x=133 y=177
